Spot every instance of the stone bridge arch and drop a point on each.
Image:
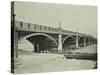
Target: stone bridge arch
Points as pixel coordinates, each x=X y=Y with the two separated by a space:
x=42 y=40
x=68 y=39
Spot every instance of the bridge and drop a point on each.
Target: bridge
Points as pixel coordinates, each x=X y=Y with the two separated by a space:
x=48 y=38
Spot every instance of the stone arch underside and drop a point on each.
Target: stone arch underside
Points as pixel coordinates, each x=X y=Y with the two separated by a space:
x=41 y=42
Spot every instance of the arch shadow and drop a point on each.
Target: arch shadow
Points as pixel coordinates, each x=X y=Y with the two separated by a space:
x=43 y=43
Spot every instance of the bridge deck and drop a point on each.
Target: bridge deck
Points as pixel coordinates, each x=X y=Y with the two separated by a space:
x=23 y=26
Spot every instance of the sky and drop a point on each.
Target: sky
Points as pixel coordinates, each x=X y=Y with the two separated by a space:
x=72 y=17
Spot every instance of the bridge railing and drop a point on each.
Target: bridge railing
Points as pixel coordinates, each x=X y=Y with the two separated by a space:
x=23 y=26
x=34 y=27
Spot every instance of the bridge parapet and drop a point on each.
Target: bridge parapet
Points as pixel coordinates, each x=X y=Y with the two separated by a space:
x=24 y=26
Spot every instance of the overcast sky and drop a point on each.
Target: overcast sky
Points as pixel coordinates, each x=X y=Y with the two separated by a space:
x=72 y=17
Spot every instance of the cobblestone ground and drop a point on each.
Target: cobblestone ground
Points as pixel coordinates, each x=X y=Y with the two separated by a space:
x=46 y=62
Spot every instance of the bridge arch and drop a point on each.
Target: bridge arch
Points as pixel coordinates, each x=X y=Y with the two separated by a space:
x=44 y=41
x=67 y=38
x=35 y=34
x=68 y=42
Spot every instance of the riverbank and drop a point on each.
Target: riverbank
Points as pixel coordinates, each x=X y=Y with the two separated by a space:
x=30 y=62
x=34 y=63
